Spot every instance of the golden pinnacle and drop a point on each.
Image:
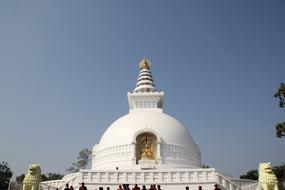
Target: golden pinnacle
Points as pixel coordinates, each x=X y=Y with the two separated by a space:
x=145 y=64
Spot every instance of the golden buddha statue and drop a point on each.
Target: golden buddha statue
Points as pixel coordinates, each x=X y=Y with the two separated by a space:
x=147 y=150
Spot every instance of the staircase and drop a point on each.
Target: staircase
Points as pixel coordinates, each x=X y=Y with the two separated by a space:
x=71 y=180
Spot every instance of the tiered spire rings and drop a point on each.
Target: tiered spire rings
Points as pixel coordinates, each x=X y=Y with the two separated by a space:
x=145 y=82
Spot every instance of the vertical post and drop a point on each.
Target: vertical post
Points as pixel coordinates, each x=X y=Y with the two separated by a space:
x=134 y=153
x=231 y=186
x=159 y=159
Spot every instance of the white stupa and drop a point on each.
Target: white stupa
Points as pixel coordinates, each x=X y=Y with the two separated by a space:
x=121 y=145
x=147 y=146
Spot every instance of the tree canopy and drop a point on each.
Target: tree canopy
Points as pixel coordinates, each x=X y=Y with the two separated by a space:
x=51 y=176
x=251 y=174
x=82 y=161
x=20 y=178
x=279 y=172
x=280 y=94
x=5 y=175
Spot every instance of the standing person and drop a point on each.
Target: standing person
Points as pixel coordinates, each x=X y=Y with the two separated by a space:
x=83 y=187
x=66 y=187
x=151 y=187
x=200 y=187
x=100 y=188
x=143 y=187
x=136 y=187
x=125 y=187
x=71 y=188
x=216 y=187
x=158 y=187
x=154 y=187
x=187 y=188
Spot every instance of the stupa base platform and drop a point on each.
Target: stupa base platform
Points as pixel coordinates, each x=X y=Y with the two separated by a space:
x=168 y=179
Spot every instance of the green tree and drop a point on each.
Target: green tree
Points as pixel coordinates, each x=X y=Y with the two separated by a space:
x=51 y=176
x=20 y=178
x=251 y=174
x=279 y=171
x=82 y=161
x=5 y=175
x=280 y=94
x=44 y=177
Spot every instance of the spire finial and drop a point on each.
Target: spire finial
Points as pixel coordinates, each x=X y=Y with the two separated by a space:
x=145 y=64
x=145 y=82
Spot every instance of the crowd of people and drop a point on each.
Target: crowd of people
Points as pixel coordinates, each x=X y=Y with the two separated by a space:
x=82 y=187
x=200 y=187
x=136 y=187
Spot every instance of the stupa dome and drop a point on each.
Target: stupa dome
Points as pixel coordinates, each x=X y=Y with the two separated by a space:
x=125 y=129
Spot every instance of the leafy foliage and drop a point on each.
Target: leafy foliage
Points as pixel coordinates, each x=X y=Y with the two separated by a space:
x=51 y=176
x=20 y=178
x=280 y=129
x=280 y=94
x=5 y=175
x=83 y=160
x=251 y=174
x=279 y=172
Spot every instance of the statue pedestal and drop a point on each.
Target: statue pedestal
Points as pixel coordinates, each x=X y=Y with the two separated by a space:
x=147 y=164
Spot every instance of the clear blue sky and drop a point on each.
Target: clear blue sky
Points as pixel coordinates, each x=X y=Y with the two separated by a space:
x=66 y=67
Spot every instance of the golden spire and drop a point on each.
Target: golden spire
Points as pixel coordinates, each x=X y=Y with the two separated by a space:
x=145 y=64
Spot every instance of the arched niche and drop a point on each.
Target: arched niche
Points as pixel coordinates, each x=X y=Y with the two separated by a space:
x=146 y=146
x=136 y=145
